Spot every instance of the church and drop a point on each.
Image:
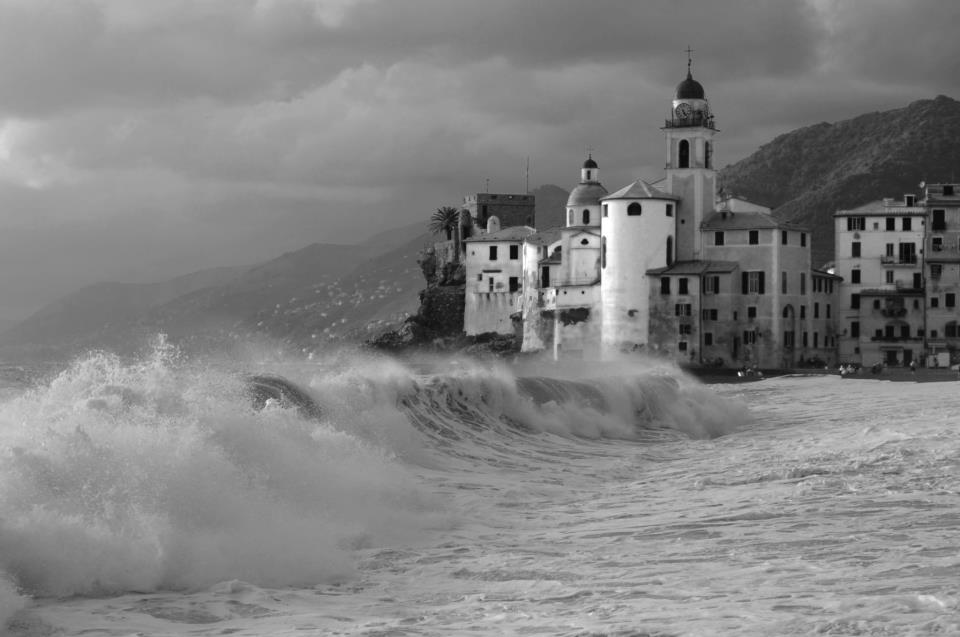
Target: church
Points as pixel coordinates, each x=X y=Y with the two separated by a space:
x=667 y=268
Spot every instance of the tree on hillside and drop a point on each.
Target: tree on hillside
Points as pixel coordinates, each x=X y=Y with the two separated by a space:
x=444 y=221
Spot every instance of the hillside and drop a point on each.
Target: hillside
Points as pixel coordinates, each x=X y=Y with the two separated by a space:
x=808 y=174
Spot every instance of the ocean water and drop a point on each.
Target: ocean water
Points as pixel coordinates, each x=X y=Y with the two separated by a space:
x=447 y=498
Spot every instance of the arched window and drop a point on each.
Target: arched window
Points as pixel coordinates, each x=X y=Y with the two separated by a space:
x=586 y=217
x=708 y=155
x=669 y=251
x=684 y=154
x=634 y=209
x=570 y=218
x=588 y=175
x=603 y=252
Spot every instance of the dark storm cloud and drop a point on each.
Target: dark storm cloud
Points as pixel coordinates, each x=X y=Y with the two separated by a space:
x=141 y=140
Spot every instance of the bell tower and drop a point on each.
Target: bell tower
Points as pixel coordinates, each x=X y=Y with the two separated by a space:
x=690 y=176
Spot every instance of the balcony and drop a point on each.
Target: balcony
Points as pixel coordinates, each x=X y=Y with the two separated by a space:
x=906 y=261
x=894 y=312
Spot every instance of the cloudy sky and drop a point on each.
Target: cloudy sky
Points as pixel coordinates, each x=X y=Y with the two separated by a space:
x=143 y=139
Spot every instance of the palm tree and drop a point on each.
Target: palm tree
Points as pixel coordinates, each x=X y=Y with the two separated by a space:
x=445 y=220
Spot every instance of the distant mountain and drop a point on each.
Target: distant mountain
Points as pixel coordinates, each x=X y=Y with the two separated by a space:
x=808 y=174
x=551 y=206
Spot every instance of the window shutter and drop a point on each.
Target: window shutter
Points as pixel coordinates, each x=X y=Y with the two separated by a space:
x=745 y=284
x=761 y=282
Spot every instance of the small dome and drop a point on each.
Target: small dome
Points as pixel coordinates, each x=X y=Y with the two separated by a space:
x=690 y=89
x=590 y=163
x=586 y=195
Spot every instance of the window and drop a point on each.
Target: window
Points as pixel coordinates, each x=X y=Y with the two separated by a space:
x=907 y=223
x=856 y=223
x=937 y=244
x=490 y=284
x=664 y=285
x=876 y=304
x=950 y=330
x=603 y=251
x=545 y=277
x=854 y=301
x=803 y=311
x=889 y=249
x=816 y=340
x=948 y=190
x=891 y=224
x=514 y=252
x=586 y=217
x=908 y=253
x=828 y=310
x=855 y=329
x=718 y=238
x=709 y=315
x=493 y=253
x=805 y=339
x=685 y=328
x=634 y=209
x=605 y=210
x=752 y=282
x=855 y=249
x=936 y=269
x=708 y=338
x=570 y=218
x=682 y=309
x=939 y=220
x=514 y=283
x=783 y=237
x=803 y=283
x=950 y=300
x=684 y=153
x=803 y=239
x=889 y=277
x=669 y=209
x=754 y=237
x=708 y=155
x=480 y=277
x=788 y=339
x=682 y=346
x=783 y=283
x=749 y=337
x=683 y=288
x=855 y=276
x=934 y=301
x=816 y=310
x=752 y=312
x=711 y=284
x=669 y=251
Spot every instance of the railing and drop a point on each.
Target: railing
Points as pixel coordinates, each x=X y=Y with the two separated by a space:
x=893 y=312
x=905 y=260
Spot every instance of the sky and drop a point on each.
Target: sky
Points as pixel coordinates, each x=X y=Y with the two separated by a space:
x=145 y=139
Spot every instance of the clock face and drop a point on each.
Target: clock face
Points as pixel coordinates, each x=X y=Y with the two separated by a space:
x=683 y=111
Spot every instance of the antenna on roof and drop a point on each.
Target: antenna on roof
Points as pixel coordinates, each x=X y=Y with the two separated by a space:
x=487 y=180
x=527 y=175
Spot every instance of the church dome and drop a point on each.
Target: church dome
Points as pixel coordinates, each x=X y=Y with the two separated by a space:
x=586 y=195
x=690 y=89
x=590 y=163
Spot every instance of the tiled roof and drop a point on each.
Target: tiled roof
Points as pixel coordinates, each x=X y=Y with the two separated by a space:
x=882 y=207
x=746 y=220
x=696 y=267
x=640 y=190
x=513 y=233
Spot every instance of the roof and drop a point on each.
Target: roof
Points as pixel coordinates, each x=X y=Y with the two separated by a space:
x=544 y=237
x=586 y=194
x=640 y=190
x=882 y=207
x=696 y=267
x=744 y=220
x=556 y=257
x=513 y=233
x=828 y=275
x=590 y=163
x=690 y=89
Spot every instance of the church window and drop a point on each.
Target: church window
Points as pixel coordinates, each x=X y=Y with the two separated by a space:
x=669 y=251
x=586 y=217
x=514 y=252
x=605 y=211
x=754 y=237
x=718 y=238
x=683 y=287
x=584 y=242
x=669 y=209
x=634 y=209
x=493 y=253
x=570 y=218
x=588 y=175
x=708 y=155
x=603 y=251
x=684 y=154
x=664 y=285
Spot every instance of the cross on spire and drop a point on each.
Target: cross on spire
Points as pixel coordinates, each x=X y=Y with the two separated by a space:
x=689 y=59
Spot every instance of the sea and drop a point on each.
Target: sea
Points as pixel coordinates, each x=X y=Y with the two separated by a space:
x=447 y=497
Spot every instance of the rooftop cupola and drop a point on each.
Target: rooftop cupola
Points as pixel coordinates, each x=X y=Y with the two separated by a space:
x=690 y=106
x=590 y=171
